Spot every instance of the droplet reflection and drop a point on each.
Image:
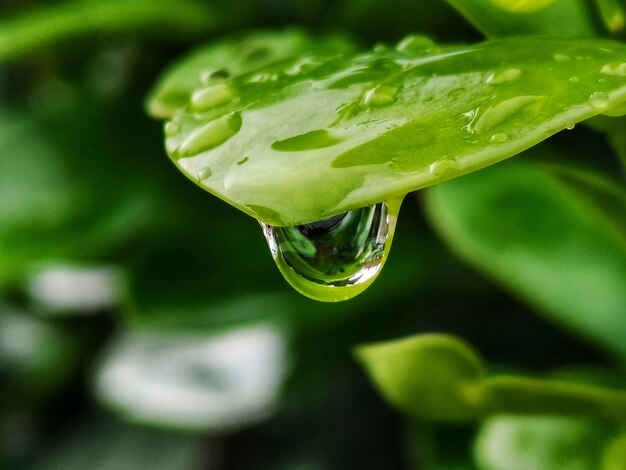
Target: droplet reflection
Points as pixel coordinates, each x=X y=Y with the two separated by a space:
x=336 y=258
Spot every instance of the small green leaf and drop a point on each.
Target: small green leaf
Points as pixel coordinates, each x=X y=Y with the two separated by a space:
x=231 y=57
x=427 y=376
x=439 y=378
x=327 y=134
x=539 y=442
x=544 y=239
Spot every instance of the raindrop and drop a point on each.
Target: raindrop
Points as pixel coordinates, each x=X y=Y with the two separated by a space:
x=380 y=95
x=204 y=174
x=211 y=96
x=562 y=57
x=210 y=135
x=444 y=167
x=599 y=99
x=504 y=76
x=335 y=258
x=488 y=116
x=499 y=138
x=616 y=70
x=414 y=42
x=309 y=141
x=171 y=129
x=569 y=125
x=211 y=75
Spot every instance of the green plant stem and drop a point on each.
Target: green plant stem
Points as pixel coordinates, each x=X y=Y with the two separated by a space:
x=26 y=33
x=521 y=395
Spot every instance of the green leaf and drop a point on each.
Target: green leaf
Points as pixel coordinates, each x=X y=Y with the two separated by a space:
x=312 y=137
x=231 y=57
x=614 y=457
x=544 y=240
x=27 y=33
x=427 y=376
x=539 y=442
x=440 y=378
x=502 y=18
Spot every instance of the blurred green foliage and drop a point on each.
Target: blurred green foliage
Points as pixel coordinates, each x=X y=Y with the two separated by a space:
x=143 y=323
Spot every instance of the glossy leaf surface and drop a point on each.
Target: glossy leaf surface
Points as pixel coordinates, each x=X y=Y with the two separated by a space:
x=232 y=57
x=312 y=137
x=545 y=240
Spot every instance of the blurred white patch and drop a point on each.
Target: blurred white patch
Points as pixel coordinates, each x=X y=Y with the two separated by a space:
x=212 y=383
x=68 y=289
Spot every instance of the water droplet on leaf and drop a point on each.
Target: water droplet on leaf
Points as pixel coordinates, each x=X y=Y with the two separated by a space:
x=210 y=135
x=212 y=75
x=336 y=258
x=380 y=95
x=616 y=69
x=444 y=167
x=211 y=96
x=414 y=42
x=171 y=129
x=562 y=57
x=205 y=173
x=499 y=138
x=309 y=141
x=599 y=100
x=504 y=76
x=574 y=79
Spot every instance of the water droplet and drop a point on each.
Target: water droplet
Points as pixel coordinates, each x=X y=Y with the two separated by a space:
x=562 y=57
x=569 y=125
x=309 y=141
x=615 y=69
x=335 y=258
x=444 y=167
x=212 y=75
x=574 y=79
x=205 y=173
x=504 y=76
x=380 y=47
x=211 y=96
x=414 y=42
x=171 y=129
x=499 y=138
x=599 y=99
x=380 y=95
x=210 y=135
x=489 y=115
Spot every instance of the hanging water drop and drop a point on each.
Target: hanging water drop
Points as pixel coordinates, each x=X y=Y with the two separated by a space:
x=335 y=258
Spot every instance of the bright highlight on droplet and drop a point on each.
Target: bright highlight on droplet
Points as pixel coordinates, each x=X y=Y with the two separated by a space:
x=336 y=258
